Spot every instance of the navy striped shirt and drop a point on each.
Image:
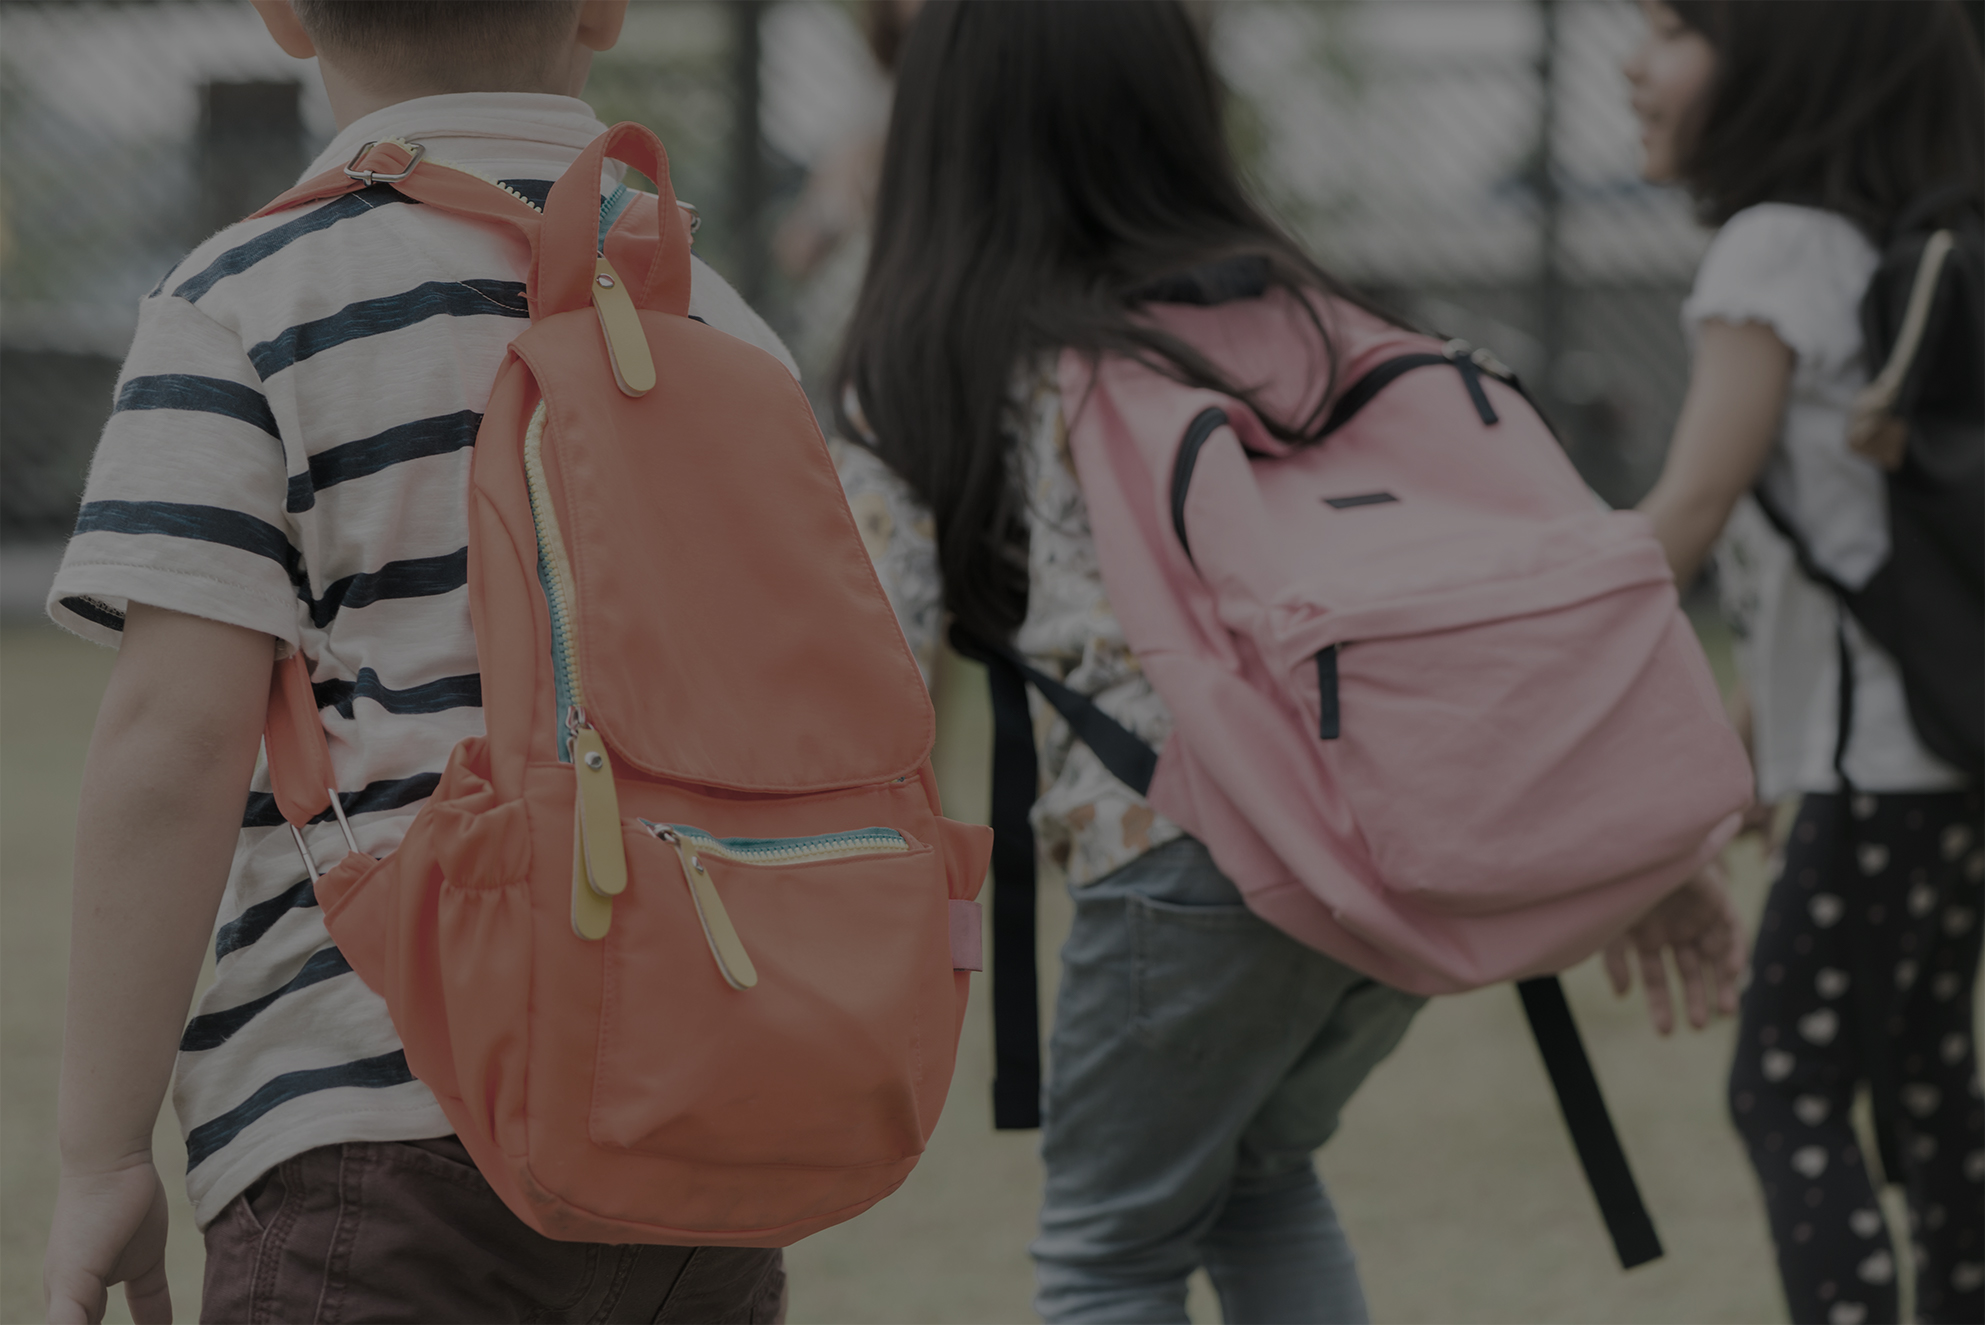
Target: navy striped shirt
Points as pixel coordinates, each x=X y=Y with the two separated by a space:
x=290 y=453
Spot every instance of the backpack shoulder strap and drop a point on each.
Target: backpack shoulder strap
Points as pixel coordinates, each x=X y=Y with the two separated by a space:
x=300 y=772
x=406 y=167
x=650 y=246
x=1130 y=760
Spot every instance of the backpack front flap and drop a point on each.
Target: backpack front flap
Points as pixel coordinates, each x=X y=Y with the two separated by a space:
x=764 y=656
x=727 y=622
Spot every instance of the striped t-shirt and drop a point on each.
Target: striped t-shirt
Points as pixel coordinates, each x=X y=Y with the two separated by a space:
x=289 y=452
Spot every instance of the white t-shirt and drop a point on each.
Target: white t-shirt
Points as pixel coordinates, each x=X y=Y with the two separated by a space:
x=1802 y=272
x=290 y=453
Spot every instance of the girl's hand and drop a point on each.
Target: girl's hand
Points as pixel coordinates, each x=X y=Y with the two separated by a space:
x=109 y=1228
x=1699 y=925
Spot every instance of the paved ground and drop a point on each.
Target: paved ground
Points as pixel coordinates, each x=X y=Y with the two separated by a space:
x=1452 y=1171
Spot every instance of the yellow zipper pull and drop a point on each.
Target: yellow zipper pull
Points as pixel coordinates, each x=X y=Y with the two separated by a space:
x=733 y=962
x=627 y=344
x=592 y=914
x=599 y=810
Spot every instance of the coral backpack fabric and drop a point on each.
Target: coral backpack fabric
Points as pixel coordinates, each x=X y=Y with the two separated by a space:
x=1436 y=711
x=757 y=1037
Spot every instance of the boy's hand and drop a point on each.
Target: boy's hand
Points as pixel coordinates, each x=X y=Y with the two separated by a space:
x=163 y=786
x=109 y=1228
x=1700 y=926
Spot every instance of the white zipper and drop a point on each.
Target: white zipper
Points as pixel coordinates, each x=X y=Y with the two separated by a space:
x=599 y=858
x=692 y=844
x=784 y=850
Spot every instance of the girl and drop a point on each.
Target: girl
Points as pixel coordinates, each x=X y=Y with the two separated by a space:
x=1049 y=168
x=1806 y=131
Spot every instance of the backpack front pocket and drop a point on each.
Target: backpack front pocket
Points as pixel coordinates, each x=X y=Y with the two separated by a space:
x=764 y=999
x=1505 y=763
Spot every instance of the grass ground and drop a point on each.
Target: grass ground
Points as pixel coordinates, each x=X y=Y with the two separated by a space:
x=1452 y=1171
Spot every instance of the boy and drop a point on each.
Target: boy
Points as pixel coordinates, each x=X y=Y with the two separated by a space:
x=286 y=470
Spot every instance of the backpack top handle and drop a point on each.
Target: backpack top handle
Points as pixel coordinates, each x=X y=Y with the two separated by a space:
x=651 y=249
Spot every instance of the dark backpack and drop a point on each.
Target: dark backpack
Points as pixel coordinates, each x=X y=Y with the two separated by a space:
x=1922 y=418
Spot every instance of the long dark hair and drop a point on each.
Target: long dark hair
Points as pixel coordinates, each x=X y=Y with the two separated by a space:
x=1048 y=166
x=1862 y=107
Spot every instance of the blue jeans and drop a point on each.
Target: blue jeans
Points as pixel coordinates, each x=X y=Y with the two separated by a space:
x=1199 y=1057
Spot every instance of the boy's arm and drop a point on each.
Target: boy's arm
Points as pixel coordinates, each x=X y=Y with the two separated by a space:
x=168 y=771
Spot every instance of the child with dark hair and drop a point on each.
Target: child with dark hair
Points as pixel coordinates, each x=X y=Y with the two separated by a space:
x=287 y=471
x=1052 y=174
x=1807 y=132
x=1048 y=169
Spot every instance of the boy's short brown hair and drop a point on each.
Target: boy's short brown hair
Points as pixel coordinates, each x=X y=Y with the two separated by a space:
x=445 y=45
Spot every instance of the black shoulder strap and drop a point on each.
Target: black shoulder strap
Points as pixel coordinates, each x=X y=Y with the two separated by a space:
x=1015 y=785
x=1887 y=1123
x=1015 y=982
x=1122 y=751
x=1843 y=598
x=1591 y=1126
x=1776 y=517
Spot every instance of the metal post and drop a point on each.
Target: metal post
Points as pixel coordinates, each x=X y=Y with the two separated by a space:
x=1550 y=271
x=251 y=147
x=747 y=200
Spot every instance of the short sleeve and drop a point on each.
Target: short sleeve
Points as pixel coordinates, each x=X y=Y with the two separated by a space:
x=901 y=538
x=185 y=504
x=1798 y=270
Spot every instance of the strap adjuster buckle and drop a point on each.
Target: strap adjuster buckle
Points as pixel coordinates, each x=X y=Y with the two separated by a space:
x=415 y=152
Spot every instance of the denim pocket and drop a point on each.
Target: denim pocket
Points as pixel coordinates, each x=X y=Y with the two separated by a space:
x=1209 y=982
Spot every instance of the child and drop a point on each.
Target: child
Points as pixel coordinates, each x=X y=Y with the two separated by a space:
x=287 y=470
x=1047 y=166
x=1805 y=131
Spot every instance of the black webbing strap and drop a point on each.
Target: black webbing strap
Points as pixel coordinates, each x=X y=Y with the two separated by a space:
x=1121 y=750
x=1869 y=1027
x=1015 y=983
x=1015 y=784
x=1586 y=1118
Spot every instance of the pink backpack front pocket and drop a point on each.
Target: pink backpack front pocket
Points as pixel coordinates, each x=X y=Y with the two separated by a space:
x=1508 y=733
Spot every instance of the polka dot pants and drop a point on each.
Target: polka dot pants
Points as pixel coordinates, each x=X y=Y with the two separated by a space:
x=1865 y=962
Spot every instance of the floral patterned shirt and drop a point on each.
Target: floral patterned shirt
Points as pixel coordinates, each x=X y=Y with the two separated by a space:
x=1085 y=821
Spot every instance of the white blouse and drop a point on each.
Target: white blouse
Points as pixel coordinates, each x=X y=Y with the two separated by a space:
x=1085 y=821
x=1802 y=272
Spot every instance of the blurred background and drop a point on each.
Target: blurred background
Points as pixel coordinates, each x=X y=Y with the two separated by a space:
x=1472 y=163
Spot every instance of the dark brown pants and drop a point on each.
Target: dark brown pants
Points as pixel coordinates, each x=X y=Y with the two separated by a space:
x=410 y=1231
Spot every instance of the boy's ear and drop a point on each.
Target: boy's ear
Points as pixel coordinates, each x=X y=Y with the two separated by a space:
x=599 y=22
x=281 y=21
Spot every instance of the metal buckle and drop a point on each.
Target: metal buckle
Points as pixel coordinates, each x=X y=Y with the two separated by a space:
x=310 y=861
x=695 y=217
x=374 y=177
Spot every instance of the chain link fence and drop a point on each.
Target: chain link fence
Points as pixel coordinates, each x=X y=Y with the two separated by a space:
x=1471 y=163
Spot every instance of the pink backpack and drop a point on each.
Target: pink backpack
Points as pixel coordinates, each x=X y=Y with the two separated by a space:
x=1437 y=712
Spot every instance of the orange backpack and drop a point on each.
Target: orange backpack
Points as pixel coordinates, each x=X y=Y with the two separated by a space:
x=679 y=945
